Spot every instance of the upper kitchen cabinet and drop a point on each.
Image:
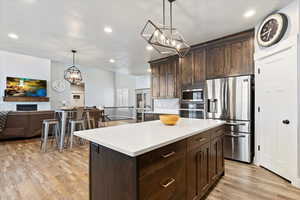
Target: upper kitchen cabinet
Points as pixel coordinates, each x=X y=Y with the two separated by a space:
x=240 y=57
x=215 y=61
x=231 y=56
x=164 y=79
x=172 y=82
x=199 y=65
x=186 y=64
x=155 y=67
x=193 y=67
x=225 y=57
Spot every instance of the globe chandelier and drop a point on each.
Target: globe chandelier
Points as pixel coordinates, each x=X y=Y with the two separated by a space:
x=73 y=74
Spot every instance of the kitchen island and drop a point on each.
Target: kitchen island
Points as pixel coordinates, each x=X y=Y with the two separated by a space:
x=156 y=162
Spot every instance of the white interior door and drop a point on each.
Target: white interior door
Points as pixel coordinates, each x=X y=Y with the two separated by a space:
x=276 y=90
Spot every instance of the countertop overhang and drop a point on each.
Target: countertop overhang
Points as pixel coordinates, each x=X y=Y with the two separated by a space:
x=140 y=138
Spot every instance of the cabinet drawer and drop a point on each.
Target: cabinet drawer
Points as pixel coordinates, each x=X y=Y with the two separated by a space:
x=198 y=140
x=168 y=183
x=154 y=160
x=220 y=131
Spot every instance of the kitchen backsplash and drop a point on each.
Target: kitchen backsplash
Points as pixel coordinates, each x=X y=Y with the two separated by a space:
x=166 y=104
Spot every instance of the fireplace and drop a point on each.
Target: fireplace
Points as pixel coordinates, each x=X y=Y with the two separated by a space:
x=27 y=107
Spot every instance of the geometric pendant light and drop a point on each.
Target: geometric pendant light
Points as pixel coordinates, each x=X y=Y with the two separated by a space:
x=165 y=38
x=73 y=74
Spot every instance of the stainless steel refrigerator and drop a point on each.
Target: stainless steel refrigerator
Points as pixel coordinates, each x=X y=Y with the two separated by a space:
x=231 y=99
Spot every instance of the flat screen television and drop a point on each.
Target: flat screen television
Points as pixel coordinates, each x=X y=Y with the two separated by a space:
x=24 y=87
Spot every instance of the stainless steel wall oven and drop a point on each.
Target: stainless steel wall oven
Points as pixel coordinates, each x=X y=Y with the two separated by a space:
x=192 y=110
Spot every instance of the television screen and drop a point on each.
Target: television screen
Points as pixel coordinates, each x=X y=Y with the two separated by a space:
x=24 y=87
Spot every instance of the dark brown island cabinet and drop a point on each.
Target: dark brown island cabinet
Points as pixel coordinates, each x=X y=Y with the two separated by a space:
x=185 y=170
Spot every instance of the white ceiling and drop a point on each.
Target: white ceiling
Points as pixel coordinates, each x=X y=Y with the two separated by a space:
x=51 y=28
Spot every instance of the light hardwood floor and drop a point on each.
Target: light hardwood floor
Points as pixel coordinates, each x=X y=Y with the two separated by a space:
x=28 y=174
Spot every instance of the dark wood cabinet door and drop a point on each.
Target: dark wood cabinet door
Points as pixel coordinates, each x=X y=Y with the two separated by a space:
x=176 y=64
x=155 y=80
x=239 y=58
x=163 y=67
x=234 y=59
x=216 y=158
x=215 y=62
x=95 y=160
x=198 y=172
x=220 y=155
x=213 y=160
x=187 y=69
x=171 y=79
x=113 y=175
x=248 y=55
x=165 y=83
x=199 y=65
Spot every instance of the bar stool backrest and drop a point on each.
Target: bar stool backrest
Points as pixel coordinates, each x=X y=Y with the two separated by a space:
x=79 y=113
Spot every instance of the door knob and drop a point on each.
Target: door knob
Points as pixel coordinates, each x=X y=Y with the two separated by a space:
x=286 y=121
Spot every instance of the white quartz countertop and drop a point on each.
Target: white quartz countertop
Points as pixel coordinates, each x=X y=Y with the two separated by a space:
x=137 y=139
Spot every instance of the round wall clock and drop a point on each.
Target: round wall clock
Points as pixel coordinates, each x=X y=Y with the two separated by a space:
x=272 y=30
x=59 y=85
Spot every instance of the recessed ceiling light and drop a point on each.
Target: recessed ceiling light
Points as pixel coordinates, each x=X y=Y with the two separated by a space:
x=112 y=61
x=149 y=70
x=107 y=29
x=13 y=36
x=149 y=48
x=249 y=13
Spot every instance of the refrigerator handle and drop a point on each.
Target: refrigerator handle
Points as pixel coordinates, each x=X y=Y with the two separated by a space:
x=212 y=105
x=226 y=94
x=209 y=105
x=223 y=96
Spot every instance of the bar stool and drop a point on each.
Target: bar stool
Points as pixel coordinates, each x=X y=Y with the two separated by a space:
x=90 y=120
x=47 y=123
x=102 y=121
x=74 y=123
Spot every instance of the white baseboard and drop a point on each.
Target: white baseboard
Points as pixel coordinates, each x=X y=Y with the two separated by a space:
x=256 y=161
x=296 y=182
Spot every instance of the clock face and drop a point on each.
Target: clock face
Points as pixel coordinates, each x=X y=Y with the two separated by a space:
x=272 y=30
x=269 y=30
x=59 y=85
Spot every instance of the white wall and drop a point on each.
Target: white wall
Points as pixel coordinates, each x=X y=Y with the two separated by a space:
x=130 y=82
x=143 y=82
x=17 y=65
x=99 y=86
x=57 y=73
x=125 y=81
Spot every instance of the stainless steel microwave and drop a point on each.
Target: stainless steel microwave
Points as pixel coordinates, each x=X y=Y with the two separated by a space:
x=193 y=95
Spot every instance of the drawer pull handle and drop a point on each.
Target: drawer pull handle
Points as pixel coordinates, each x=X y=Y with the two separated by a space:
x=201 y=139
x=171 y=181
x=168 y=155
